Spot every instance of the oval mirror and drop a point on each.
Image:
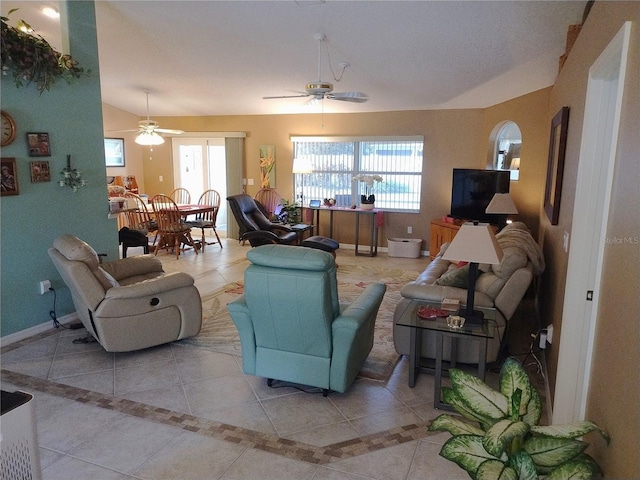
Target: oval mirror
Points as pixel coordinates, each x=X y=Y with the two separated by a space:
x=505 y=143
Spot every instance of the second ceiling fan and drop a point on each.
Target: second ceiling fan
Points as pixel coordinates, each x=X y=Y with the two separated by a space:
x=320 y=89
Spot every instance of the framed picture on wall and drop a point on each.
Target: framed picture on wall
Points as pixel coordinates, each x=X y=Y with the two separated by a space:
x=8 y=177
x=38 y=144
x=40 y=172
x=555 y=167
x=114 y=152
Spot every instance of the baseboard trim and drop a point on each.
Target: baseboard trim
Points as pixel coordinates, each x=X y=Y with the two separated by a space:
x=29 y=332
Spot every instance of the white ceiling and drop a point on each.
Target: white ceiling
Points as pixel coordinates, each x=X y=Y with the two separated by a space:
x=221 y=57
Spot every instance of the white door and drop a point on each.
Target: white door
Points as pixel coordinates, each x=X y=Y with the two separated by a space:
x=199 y=164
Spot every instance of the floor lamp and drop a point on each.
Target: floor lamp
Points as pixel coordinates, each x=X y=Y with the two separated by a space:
x=474 y=243
x=301 y=165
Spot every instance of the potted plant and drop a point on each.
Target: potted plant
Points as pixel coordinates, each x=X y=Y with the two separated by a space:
x=289 y=212
x=368 y=181
x=31 y=58
x=505 y=440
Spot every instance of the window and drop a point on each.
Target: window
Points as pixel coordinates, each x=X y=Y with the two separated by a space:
x=335 y=160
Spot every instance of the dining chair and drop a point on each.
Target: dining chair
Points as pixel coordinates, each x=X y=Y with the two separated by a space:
x=181 y=196
x=172 y=230
x=207 y=219
x=139 y=219
x=270 y=200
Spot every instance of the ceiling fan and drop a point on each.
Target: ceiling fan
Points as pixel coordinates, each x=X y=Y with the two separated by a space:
x=320 y=89
x=149 y=130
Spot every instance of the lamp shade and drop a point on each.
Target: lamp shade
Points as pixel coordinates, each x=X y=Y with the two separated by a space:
x=301 y=165
x=501 y=203
x=474 y=243
x=149 y=138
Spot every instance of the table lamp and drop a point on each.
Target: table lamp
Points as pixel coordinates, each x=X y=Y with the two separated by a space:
x=502 y=204
x=474 y=243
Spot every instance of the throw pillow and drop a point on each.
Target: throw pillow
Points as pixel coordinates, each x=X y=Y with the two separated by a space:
x=457 y=277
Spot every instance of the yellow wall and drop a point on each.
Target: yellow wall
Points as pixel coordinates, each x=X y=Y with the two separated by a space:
x=116 y=120
x=614 y=399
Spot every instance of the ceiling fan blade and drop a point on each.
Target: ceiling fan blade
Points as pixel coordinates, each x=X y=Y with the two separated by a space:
x=355 y=97
x=169 y=131
x=286 y=96
x=125 y=131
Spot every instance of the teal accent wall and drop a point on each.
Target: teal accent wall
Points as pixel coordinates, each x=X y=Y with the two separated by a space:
x=30 y=221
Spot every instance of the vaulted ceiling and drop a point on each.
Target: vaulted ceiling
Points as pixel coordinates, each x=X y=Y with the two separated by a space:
x=222 y=57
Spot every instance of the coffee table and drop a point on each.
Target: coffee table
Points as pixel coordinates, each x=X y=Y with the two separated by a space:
x=438 y=326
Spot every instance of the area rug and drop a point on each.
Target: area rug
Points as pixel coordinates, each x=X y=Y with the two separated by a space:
x=219 y=334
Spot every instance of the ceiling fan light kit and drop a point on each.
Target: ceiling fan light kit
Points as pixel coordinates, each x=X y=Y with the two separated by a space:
x=320 y=90
x=149 y=138
x=148 y=130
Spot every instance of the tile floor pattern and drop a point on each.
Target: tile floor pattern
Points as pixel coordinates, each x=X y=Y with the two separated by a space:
x=179 y=412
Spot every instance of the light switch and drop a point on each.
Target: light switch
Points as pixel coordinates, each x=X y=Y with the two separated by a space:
x=250 y=181
x=565 y=242
x=161 y=178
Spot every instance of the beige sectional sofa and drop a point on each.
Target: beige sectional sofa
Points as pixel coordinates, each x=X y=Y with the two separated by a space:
x=498 y=286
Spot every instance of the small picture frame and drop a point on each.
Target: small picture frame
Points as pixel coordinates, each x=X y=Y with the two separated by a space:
x=38 y=144
x=8 y=177
x=40 y=171
x=114 y=152
x=555 y=168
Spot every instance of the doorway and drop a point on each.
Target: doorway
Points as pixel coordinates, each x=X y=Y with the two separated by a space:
x=591 y=210
x=200 y=164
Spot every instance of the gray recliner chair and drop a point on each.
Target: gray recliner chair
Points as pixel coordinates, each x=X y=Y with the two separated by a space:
x=130 y=303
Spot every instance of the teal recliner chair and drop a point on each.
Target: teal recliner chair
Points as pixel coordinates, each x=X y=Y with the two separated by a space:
x=291 y=324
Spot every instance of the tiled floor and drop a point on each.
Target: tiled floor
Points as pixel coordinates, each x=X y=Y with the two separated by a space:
x=179 y=412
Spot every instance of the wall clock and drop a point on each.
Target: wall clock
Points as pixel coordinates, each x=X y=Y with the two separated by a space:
x=8 y=129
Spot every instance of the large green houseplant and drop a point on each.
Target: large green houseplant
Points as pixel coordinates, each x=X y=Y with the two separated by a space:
x=505 y=441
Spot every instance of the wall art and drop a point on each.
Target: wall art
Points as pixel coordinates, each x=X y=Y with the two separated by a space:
x=39 y=145
x=40 y=171
x=8 y=177
x=555 y=167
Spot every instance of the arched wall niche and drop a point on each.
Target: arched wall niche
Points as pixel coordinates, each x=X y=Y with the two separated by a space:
x=503 y=152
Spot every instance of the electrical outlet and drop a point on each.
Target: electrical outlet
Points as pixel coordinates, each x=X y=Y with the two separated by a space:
x=409 y=229
x=543 y=339
x=250 y=181
x=160 y=178
x=45 y=285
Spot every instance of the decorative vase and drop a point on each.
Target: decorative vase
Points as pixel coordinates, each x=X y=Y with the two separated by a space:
x=367 y=206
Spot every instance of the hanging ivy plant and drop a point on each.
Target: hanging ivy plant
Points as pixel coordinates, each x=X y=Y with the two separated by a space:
x=30 y=58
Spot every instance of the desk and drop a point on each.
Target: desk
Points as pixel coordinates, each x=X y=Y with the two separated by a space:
x=374 y=215
x=439 y=327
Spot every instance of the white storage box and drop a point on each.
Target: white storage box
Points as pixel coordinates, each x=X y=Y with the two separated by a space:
x=404 y=247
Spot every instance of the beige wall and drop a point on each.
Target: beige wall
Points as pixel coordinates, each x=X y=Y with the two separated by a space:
x=613 y=400
x=116 y=120
x=529 y=112
x=452 y=138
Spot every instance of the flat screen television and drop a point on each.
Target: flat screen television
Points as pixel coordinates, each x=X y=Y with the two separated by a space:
x=472 y=190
